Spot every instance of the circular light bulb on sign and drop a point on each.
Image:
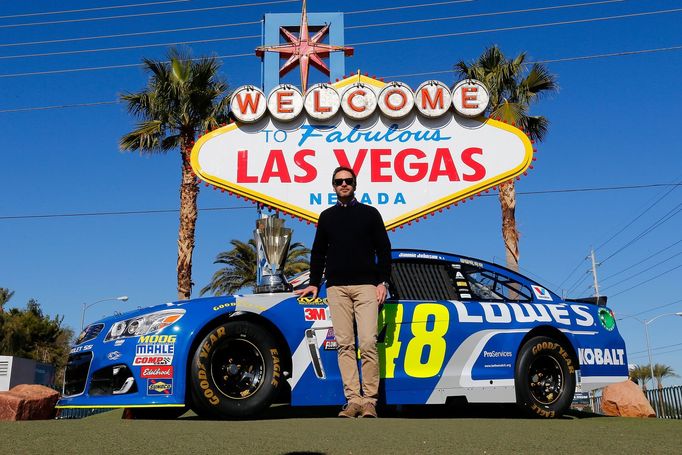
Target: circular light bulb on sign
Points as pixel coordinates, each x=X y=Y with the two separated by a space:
x=396 y=100
x=359 y=101
x=322 y=101
x=248 y=104
x=432 y=98
x=470 y=98
x=285 y=102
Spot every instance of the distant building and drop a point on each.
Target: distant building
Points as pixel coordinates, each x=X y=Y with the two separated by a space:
x=15 y=371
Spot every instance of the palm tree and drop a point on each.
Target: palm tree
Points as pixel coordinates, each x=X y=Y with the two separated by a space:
x=641 y=374
x=513 y=87
x=183 y=97
x=5 y=295
x=663 y=371
x=240 y=267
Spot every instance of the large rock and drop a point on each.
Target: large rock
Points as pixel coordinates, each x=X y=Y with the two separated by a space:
x=625 y=399
x=28 y=402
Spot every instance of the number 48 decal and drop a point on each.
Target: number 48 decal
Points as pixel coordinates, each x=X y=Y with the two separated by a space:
x=390 y=321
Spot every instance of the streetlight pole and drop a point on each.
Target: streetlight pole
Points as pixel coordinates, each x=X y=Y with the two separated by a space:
x=648 y=344
x=123 y=298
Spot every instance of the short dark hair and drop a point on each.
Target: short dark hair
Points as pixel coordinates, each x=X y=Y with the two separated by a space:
x=344 y=168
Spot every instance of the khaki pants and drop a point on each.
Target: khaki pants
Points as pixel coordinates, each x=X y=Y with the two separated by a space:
x=359 y=303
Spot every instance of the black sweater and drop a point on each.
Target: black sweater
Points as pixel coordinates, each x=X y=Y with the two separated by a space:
x=352 y=243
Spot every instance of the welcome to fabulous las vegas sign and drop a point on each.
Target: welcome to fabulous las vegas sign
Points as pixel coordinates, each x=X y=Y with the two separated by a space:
x=414 y=152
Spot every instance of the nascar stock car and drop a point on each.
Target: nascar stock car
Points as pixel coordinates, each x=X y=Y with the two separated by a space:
x=453 y=328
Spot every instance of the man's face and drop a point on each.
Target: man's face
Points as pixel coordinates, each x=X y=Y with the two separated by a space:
x=345 y=189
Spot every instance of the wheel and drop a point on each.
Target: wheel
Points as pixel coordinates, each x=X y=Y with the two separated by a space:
x=545 y=377
x=235 y=371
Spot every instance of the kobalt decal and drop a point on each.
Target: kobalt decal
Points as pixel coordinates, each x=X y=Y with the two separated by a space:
x=596 y=356
x=157 y=387
x=160 y=372
x=316 y=314
x=153 y=360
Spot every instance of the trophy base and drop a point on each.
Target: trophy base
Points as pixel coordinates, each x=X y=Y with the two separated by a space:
x=272 y=284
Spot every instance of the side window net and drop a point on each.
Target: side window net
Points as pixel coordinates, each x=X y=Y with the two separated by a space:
x=493 y=286
x=421 y=281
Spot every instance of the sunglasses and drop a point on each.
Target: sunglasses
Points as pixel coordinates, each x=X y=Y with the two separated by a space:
x=349 y=181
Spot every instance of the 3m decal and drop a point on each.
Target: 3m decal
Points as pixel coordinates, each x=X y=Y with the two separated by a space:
x=157 y=372
x=316 y=314
x=541 y=293
x=159 y=387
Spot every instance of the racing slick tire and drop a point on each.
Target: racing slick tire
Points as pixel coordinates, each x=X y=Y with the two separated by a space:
x=235 y=371
x=545 y=377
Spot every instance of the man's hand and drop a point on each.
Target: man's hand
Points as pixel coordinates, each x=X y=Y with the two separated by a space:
x=381 y=293
x=308 y=290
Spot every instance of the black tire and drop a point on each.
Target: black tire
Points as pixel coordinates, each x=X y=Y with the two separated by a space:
x=545 y=377
x=235 y=371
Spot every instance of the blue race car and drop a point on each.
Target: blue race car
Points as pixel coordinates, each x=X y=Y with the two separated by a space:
x=453 y=328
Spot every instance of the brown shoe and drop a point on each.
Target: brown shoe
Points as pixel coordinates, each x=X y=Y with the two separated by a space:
x=350 y=410
x=369 y=410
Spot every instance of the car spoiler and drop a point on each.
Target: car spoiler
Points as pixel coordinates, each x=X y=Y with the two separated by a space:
x=599 y=301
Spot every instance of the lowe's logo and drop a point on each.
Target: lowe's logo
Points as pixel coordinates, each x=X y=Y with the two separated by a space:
x=504 y=313
x=596 y=356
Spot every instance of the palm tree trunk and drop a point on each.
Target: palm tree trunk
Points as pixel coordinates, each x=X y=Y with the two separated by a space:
x=189 y=191
x=509 y=232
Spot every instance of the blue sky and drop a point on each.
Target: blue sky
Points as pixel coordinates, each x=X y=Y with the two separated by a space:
x=613 y=124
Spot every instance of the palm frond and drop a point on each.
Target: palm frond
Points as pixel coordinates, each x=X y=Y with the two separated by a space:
x=146 y=138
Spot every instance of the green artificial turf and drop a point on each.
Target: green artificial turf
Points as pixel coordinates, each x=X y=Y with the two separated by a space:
x=316 y=431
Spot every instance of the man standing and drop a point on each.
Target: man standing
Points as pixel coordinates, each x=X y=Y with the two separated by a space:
x=351 y=246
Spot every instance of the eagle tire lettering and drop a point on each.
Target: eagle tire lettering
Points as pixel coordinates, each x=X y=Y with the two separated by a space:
x=545 y=377
x=235 y=371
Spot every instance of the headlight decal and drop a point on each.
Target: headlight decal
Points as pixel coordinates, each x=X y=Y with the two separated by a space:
x=144 y=325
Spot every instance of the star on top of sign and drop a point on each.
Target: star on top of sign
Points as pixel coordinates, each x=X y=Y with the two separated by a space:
x=304 y=50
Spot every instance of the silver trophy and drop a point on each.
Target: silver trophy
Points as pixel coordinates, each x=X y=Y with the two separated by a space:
x=272 y=242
